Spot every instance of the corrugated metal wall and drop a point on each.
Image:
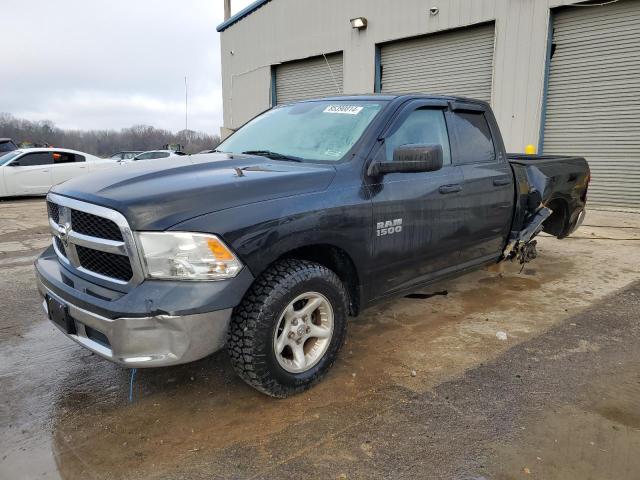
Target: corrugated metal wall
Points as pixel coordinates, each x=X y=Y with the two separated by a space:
x=309 y=78
x=451 y=63
x=593 y=102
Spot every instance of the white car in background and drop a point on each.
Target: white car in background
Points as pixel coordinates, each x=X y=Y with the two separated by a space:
x=33 y=171
x=154 y=154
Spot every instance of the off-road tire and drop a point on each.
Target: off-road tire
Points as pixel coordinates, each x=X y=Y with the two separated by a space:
x=250 y=337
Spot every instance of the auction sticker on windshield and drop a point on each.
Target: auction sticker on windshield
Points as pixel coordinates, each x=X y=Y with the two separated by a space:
x=347 y=109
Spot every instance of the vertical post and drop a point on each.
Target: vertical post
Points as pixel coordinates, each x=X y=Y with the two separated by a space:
x=227 y=9
x=545 y=85
x=274 y=93
x=377 y=81
x=186 y=98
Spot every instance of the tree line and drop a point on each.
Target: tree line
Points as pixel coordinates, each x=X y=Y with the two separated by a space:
x=102 y=142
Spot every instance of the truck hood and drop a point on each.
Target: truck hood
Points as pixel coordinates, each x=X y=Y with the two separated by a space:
x=157 y=194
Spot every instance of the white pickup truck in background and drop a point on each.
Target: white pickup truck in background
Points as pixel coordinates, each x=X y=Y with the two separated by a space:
x=33 y=171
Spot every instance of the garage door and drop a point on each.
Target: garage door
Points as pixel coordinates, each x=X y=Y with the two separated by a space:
x=593 y=97
x=309 y=78
x=459 y=62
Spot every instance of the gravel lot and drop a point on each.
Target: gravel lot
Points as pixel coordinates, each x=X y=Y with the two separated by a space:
x=423 y=388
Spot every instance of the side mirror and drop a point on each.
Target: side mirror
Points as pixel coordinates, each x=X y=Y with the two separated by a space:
x=410 y=158
x=15 y=163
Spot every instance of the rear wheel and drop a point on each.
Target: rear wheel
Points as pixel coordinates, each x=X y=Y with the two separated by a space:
x=287 y=332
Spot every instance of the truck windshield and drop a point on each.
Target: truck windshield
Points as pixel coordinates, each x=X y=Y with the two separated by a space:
x=322 y=131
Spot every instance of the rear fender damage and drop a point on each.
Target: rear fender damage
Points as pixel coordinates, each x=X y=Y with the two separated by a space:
x=532 y=196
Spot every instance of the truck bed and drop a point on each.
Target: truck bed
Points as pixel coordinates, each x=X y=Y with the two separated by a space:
x=551 y=192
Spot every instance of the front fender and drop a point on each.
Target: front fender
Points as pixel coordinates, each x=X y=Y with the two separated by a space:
x=263 y=232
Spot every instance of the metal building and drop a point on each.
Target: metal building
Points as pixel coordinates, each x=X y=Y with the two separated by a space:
x=563 y=75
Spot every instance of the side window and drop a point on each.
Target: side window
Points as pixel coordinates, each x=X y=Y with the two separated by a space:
x=79 y=158
x=64 y=157
x=145 y=156
x=35 y=159
x=422 y=126
x=161 y=155
x=473 y=136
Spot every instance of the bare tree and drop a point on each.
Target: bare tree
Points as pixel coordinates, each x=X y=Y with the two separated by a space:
x=103 y=142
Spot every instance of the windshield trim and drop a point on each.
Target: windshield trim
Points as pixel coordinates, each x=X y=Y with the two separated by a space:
x=349 y=154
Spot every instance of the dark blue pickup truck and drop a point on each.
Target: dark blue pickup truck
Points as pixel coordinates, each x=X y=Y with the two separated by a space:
x=307 y=215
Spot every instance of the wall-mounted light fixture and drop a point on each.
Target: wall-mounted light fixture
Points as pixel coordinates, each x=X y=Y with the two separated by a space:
x=359 y=22
x=434 y=11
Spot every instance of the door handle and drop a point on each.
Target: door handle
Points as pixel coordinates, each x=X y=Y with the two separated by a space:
x=444 y=189
x=502 y=181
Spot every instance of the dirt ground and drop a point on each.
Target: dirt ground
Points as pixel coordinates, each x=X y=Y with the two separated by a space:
x=415 y=375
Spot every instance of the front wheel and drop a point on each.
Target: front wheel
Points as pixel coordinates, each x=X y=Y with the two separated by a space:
x=287 y=332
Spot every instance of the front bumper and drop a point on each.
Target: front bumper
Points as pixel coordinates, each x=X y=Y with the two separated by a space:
x=156 y=341
x=153 y=325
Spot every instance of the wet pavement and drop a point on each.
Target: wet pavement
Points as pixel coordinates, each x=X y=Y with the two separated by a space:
x=423 y=387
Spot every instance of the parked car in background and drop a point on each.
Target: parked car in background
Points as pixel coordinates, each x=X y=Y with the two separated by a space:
x=153 y=154
x=125 y=155
x=33 y=171
x=7 y=145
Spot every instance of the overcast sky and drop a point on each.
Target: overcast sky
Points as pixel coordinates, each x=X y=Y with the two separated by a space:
x=112 y=63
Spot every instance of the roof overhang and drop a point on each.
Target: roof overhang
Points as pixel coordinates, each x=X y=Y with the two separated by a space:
x=241 y=14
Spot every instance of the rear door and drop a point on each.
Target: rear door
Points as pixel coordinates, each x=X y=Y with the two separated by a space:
x=29 y=174
x=67 y=165
x=488 y=182
x=418 y=215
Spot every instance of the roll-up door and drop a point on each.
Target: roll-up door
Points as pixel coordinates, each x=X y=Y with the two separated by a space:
x=458 y=62
x=309 y=78
x=593 y=97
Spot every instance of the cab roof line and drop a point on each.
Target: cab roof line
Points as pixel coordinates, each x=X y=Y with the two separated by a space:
x=241 y=14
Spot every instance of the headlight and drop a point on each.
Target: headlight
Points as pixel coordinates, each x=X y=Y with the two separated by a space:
x=187 y=256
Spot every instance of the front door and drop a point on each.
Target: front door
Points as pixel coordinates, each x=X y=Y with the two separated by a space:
x=29 y=174
x=417 y=216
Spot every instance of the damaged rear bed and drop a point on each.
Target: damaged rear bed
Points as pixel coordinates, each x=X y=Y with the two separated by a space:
x=551 y=192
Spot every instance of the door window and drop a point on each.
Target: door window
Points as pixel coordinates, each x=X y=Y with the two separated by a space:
x=65 y=157
x=422 y=126
x=35 y=159
x=473 y=136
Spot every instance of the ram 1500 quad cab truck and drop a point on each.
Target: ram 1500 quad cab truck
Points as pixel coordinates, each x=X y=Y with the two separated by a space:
x=305 y=216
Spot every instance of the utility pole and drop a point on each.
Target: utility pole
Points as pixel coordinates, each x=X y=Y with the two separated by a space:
x=186 y=98
x=227 y=9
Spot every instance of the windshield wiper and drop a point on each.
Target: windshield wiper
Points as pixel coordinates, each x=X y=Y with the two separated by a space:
x=273 y=155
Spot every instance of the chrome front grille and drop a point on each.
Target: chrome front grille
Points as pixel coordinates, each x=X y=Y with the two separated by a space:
x=94 y=241
x=95 y=226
